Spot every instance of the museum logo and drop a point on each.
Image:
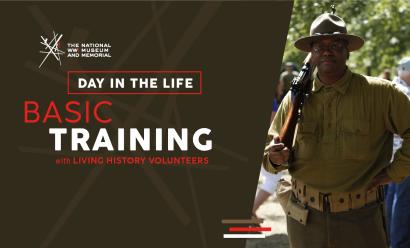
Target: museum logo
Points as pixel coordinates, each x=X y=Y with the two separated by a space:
x=53 y=47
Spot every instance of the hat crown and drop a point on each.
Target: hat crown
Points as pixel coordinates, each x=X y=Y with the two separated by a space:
x=328 y=24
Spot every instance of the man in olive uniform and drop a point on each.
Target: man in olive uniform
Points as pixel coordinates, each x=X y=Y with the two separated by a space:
x=342 y=148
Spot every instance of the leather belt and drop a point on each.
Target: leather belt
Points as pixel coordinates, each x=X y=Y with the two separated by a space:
x=335 y=201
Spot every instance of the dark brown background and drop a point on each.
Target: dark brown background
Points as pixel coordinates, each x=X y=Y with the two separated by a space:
x=237 y=45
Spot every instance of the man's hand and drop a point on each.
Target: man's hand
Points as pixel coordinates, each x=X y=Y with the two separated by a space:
x=380 y=179
x=278 y=153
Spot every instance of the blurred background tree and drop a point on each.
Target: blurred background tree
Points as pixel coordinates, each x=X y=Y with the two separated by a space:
x=384 y=24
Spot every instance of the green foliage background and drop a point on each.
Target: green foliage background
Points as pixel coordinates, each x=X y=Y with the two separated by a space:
x=384 y=24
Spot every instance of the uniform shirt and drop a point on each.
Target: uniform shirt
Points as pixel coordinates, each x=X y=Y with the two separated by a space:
x=345 y=134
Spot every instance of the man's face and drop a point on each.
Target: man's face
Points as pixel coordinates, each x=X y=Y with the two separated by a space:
x=329 y=55
x=289 y=68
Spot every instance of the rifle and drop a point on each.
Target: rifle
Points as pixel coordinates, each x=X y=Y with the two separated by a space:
x=301 y=88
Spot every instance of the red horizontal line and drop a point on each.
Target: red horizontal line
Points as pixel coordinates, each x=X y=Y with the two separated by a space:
x=249 y=229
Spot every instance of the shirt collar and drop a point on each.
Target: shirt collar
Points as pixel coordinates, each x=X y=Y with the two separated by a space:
x=402 y=85
x=341 y=85
x=400 y=81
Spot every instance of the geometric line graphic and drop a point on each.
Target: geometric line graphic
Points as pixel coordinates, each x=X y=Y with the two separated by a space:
x=51 y=47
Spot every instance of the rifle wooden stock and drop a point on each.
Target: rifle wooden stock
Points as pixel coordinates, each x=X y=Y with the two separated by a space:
x=287 y=132
x=300 y=88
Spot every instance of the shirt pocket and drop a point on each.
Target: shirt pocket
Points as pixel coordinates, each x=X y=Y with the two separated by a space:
x=306 y=140
x=355 y=139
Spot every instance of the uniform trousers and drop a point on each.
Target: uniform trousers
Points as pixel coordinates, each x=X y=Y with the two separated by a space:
x=361 y=228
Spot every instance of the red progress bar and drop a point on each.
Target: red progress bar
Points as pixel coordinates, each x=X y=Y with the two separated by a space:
x=249 y=229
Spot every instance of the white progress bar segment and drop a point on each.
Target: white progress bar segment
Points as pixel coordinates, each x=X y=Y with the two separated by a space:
x=244 y=236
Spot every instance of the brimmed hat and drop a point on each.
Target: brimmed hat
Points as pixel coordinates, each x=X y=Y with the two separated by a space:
x=329 y=25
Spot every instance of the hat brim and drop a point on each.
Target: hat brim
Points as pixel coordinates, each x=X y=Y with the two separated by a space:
x=304 y=43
